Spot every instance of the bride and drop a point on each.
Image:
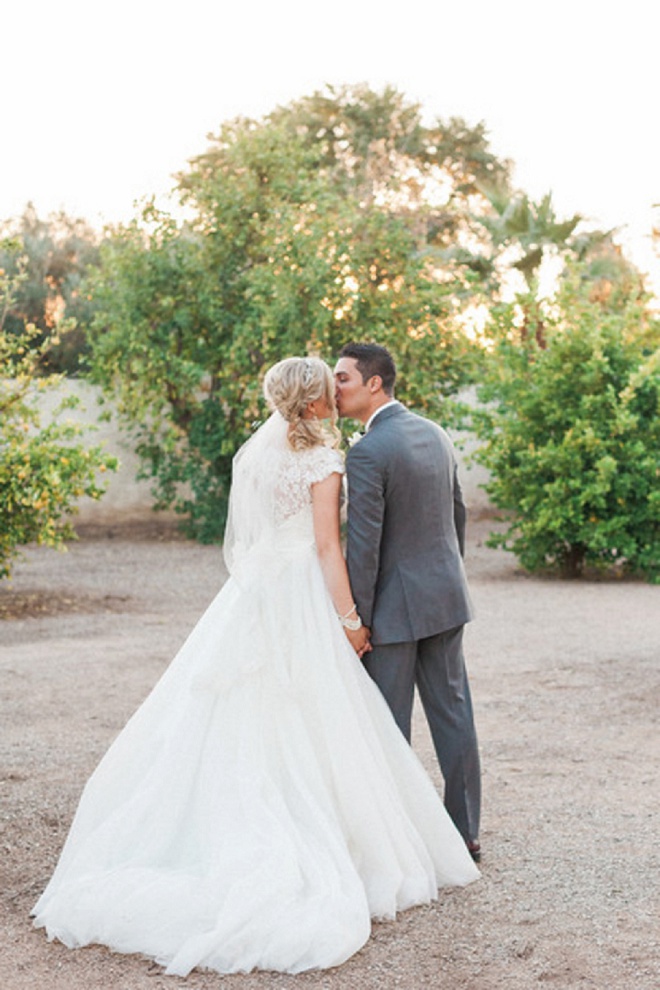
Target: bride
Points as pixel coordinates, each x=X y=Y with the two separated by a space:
x=261 y=806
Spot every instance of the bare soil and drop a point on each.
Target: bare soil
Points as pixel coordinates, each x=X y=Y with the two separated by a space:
x=566 y=684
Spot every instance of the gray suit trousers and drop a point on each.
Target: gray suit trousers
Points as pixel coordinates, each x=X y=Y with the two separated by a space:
x=437 y=666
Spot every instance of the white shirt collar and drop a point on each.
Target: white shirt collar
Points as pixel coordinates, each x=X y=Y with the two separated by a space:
x=392 y=402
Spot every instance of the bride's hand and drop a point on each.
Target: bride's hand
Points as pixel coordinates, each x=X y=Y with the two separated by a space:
x=359 y=639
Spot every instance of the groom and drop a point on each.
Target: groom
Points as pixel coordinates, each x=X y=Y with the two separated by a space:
x=406 y=531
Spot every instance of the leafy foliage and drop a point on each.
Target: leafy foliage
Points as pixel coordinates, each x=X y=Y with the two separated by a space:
x=52 y=261
x=43 y=470
x=509 y=232
x=572 y=431
x=306 y=230
x=531 y=226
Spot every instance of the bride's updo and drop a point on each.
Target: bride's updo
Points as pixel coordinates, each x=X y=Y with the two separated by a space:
x=289 y=387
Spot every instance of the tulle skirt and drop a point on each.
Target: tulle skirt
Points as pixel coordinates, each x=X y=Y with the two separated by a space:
x=261 y=806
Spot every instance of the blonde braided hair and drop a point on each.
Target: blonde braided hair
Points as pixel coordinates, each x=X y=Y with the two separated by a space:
x=289 y=386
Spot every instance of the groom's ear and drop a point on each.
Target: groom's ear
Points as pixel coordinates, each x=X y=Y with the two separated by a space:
x=375 y=383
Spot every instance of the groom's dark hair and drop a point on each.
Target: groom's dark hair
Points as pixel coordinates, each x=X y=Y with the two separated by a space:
x=372 y=359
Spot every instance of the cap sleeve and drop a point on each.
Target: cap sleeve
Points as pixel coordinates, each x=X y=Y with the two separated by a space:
x=322 y=462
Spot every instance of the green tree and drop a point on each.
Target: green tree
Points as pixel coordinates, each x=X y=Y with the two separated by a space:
x=43 y=469
x=305 y=231
x=530 y=228
x=572 y=431
x=516 y=234
x=54 y=258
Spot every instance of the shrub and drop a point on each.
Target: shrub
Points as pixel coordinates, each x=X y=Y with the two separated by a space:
x=572 y=433
x=43 y=470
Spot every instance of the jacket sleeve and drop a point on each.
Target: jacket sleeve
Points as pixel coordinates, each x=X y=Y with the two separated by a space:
x=460 y=512
x=366 y=510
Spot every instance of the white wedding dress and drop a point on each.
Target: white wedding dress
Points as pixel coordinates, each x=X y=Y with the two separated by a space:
x=261 y=806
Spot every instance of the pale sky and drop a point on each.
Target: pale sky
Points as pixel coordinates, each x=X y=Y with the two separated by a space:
x=103 y=102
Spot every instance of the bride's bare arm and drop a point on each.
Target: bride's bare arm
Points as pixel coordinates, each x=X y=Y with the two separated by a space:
x=325 y=503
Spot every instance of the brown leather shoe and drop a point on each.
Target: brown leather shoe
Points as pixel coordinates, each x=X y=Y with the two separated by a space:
x=474 y=848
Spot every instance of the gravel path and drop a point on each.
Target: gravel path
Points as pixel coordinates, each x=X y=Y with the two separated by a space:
x=566 y=683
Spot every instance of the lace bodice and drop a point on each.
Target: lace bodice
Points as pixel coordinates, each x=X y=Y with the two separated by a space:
x=270 y=504
x=299 y=470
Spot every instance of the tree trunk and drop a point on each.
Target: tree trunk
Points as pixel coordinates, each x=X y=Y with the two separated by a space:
x=573 y=561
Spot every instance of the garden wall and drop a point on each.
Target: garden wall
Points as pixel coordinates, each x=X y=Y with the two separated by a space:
x=128 y=501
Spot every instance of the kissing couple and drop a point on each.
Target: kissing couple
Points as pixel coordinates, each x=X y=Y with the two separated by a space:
x=263 y=804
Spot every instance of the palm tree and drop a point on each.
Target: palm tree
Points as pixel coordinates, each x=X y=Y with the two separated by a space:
x=531 y=226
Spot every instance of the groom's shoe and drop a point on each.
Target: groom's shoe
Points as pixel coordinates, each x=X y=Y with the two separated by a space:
x=474 y=848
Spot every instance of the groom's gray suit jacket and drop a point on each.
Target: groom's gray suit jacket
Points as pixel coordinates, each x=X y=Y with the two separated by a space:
x=406 y=529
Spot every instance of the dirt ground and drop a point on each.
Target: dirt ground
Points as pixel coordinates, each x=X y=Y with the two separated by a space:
x=566 y=684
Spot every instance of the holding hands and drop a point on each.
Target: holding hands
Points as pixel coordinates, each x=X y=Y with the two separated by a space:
x=360 y=640
x=358 y=634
